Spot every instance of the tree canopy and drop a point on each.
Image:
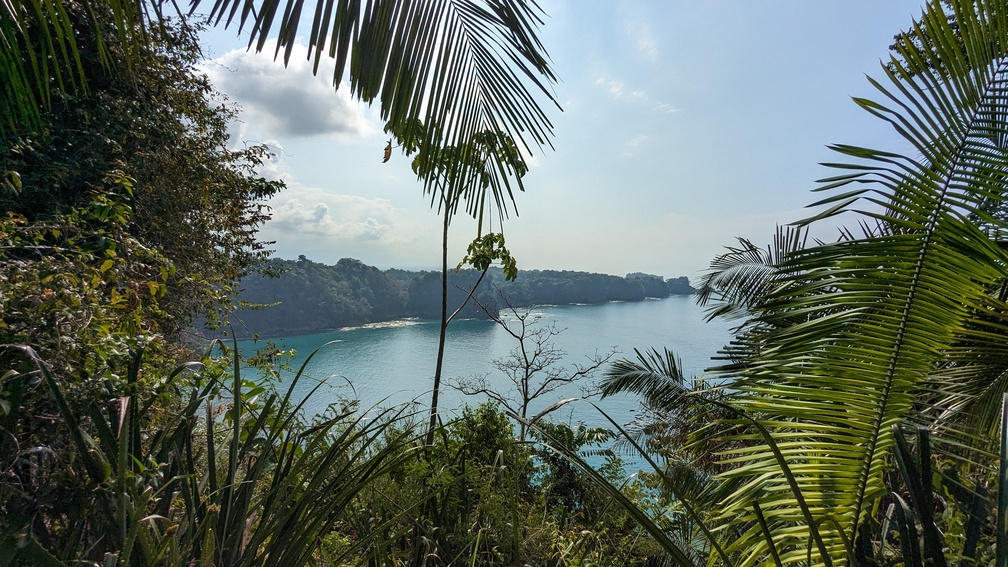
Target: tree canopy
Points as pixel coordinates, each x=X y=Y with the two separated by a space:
x=130 y=205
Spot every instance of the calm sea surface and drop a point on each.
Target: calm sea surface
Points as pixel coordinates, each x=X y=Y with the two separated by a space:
x=393 y=363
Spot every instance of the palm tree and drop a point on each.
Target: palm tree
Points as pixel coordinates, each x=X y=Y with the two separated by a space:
x=739 y=277
x=905 y=323
x=683 y=424
x=479 y=160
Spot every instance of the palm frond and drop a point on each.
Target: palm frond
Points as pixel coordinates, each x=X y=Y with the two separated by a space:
x=681 y=417
x=964 y=393
x=740 y=276
x=853 y=329
x=463 y=69
x=656 y=377
x=41 y=46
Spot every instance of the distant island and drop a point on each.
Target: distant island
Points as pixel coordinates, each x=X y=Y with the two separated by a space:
x=309 y=297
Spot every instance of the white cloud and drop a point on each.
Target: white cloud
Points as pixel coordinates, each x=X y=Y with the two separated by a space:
x=676 y=219
x=321 y=212
x=665 y=108
x=285 y=102
x=337 y=218
x=274 y=166
x=618 y=90
x=644 y=39
x=630 y=148
x=327 y=226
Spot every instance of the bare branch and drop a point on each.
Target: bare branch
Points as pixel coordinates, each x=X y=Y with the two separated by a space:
x=533 y=366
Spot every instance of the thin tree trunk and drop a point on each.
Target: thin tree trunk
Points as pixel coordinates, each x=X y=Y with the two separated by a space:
x=444 y=331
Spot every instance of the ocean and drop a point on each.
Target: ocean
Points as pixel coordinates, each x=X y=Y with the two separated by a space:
x=393 y=363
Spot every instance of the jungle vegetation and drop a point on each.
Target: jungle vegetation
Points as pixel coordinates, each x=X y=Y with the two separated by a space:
x=855 y=419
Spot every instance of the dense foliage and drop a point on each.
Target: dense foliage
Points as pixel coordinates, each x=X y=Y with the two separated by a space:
x=107 y=187
x=205 y=468
x=477 y=496
x=182 y=475
x=93 y=270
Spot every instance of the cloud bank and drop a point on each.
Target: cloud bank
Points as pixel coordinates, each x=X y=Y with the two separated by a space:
x=327 y=226
x=285 y=102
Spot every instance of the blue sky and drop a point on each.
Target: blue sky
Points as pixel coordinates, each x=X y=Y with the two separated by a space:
x=685 y=124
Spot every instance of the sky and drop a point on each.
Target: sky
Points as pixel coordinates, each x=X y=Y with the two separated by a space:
x=684 y=126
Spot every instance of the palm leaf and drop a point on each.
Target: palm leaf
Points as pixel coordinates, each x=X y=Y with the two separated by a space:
x=460 y=68
x=739 y=277
x=855 y=328
x=966 y=390
x=40 y=50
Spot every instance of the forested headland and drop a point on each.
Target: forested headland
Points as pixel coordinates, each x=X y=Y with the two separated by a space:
x=301 y=296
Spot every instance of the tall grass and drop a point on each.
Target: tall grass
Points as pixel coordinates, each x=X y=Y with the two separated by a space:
x=217 y=475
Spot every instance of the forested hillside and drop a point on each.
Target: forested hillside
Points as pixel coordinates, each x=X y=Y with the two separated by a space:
x=309 y=296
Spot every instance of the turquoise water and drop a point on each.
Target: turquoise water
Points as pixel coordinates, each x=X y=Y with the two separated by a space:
x=393 y=363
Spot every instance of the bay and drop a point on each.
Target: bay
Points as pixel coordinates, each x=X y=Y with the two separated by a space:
x=393 y=363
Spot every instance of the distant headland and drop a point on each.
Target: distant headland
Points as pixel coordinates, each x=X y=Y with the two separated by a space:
x=308 y=297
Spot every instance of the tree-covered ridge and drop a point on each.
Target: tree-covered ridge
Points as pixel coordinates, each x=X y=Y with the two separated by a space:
x=309 y=296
